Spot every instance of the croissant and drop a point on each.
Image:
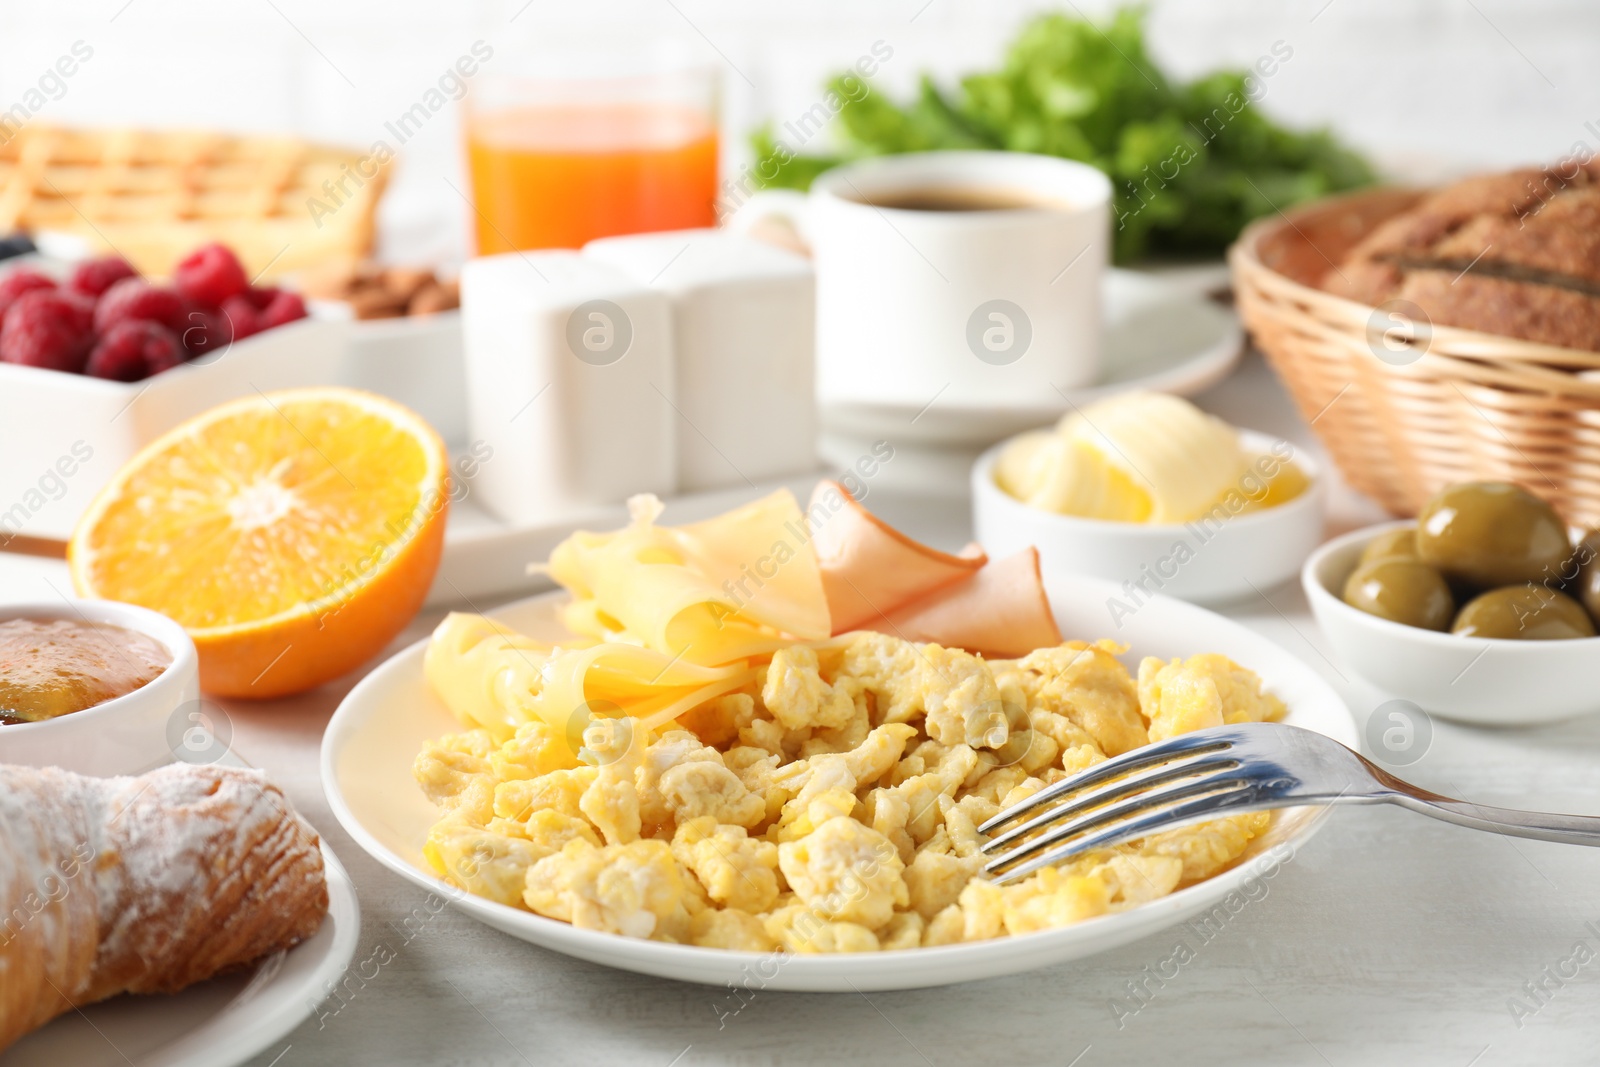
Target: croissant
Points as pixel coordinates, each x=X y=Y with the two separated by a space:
x=144 y=885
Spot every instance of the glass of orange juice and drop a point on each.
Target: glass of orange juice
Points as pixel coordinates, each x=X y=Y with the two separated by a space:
x=557 y=160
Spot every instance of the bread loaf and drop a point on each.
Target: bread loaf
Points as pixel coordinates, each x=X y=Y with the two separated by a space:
x=1515 y=254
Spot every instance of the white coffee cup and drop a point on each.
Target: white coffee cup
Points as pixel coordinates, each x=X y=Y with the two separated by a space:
x=992 y=305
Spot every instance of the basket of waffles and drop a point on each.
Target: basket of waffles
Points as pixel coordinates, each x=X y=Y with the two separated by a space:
x=153 y=196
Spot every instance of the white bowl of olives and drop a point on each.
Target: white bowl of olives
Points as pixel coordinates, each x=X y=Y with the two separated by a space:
x=1484 y=610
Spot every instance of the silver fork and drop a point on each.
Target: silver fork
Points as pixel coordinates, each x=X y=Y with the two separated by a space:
x=1221 y=771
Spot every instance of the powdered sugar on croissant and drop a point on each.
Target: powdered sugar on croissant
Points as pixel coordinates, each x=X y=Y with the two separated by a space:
x=144 y=884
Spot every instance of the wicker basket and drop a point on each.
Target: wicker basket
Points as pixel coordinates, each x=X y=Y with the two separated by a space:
x=1405 y=412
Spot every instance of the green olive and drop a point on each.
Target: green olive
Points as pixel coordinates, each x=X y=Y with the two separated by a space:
x=1587 y=587
x=1527 y=612
x=1401 y=542
x=1490 y=534
x=1401 y=590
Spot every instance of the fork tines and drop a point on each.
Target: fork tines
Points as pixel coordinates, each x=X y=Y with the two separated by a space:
x=1186 y=779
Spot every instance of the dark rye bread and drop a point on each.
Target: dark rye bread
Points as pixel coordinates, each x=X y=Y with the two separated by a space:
x=1514 y=254
x=1548 y=314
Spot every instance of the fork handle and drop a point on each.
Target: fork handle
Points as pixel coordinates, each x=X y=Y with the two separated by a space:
x=1538 y=825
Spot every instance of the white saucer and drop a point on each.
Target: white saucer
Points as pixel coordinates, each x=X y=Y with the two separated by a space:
x=380 y=726
x=1161 y=335
x=219 y=1023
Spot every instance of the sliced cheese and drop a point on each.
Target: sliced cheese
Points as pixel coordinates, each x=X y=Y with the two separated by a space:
x=488 y=676
x=741 y=584
x=496 y=679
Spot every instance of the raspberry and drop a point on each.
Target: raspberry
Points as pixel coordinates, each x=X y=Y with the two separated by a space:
x=132 y=350
x=18 y=282
x=210 y=275
x=207 y=332
x=242 y=315
x=83 y=305
x=285 y=308
x=47 y=328
x=95 y=276
x=137 y=299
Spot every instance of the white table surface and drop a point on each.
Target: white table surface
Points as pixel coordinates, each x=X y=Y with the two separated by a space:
x=1390 y=938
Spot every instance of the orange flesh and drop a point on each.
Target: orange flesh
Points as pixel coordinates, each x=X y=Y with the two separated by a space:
x=292 y=536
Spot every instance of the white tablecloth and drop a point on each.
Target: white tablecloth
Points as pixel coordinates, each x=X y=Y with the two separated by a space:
x=1390 y=938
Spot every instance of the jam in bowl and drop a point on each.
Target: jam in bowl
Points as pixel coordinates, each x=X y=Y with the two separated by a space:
x=54 y=667
x=95 y=686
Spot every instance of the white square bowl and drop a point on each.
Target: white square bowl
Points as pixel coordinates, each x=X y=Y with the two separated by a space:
x=62 y=436
x=416 y=361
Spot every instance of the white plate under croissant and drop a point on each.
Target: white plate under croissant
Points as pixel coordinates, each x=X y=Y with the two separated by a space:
x=374 y=738
x=218 y=1022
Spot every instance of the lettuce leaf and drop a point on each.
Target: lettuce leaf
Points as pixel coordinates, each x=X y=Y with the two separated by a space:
x=1190 y=163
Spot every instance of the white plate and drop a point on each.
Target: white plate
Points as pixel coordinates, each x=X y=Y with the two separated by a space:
x=219 y=1023
x=375 y=735
x=1161 y=335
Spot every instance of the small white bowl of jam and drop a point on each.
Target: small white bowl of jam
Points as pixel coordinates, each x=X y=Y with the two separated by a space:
x=93 y=686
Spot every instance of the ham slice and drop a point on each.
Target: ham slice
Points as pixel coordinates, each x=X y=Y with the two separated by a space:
x=1001 y=611
x=877 y=578
x=870 y=569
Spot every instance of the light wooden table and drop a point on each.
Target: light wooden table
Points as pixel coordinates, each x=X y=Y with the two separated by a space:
x=1389 y=939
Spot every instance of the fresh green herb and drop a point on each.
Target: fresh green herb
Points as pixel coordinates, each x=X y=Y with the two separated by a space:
x=1190 y=163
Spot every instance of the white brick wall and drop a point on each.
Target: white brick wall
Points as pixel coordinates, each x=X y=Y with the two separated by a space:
x=1431 y=85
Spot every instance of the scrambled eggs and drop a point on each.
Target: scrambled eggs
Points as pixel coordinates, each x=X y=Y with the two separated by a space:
x=831 y=804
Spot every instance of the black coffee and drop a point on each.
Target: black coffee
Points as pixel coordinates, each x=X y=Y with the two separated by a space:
x=955 y=198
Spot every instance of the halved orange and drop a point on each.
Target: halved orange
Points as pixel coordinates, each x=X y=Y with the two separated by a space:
x=293 y=534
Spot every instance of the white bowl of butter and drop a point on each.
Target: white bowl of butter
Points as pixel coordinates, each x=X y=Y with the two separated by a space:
x=1149 y=492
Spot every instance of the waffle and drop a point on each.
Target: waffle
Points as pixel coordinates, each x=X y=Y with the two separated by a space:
x=155 y=196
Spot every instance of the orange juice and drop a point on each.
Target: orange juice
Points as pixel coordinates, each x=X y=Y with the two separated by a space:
x=558 y=176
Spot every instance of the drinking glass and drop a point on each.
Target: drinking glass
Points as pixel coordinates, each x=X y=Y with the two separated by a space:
x=571 y=151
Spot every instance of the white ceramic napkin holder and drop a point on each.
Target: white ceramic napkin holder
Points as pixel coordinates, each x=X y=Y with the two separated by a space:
x=743 y=338
x=569 y=384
